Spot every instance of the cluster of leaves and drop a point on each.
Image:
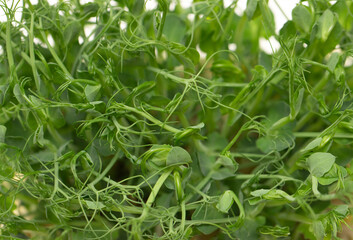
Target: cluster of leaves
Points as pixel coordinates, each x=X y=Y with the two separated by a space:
x=113 y=127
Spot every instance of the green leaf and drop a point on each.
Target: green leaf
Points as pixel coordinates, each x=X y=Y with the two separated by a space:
x=206 y=212
x=90 y=10
x=216 y=141
x=206 y=162
x=275 y=142
x=2 y=133
x=336 y=172
x=342 y=9
x=302 y=18
x=18 y=92
x=340 y=75
x=3 y=91
x=95 y=205
x=318 y=230
x=91 y=91
x=190 y=131
x=155 y=158
x=326 y=22
x=225 y=201
x=298 y=99
x=225 y=68
x=251 y=8
x=72 y=31
x=332 y=62
x=288 y=31
x=276 y=231
x=267 y=16
x=227 y=168
x=313 y=144
x=178 y=156
x=272 y=194
x=342 y=211
x=57 y=117
x=174 y=28
x=320 y=163
x=249 y=230
x=259 y=192
x=38 y=137
x=141 y=89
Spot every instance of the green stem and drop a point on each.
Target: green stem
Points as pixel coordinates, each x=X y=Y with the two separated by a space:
x=241 y=209
x=231 y=143
x=307 y=61
x=266 y=176
x=203 y=182
x=183 y=215
x=303 y=121
x=32 y=56
x=280 y=123
x=323 y=197
x=295 y=218
x=10 y=58
x=152 y=119
x=55 y=56
x=106 y=170
x=154 y=193
x=317 y=134
x=322 y=83
x=165 y=10
x=211 y=221
x=86 y=46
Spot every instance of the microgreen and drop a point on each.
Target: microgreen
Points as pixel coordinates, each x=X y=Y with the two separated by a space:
x=114 y=125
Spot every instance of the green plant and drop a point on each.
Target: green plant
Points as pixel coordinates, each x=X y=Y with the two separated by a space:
x=125 y=132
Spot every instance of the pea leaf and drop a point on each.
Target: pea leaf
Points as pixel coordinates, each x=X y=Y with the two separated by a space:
x=342 y=211
x=91 y=91
x=275 y=142
x=174 y=28
x=72 y=31
x=227 y=169
x=326 y=22
x=288 y=31
x=313 y=144
x=19 y=93
x=2 y=133
x=206 y=212
x=335 y=173
x=178 y=156
x=267 y=16
x=332 y=62
x=318 y=230
x=95 y=205
x=206 y=162
x=140 y=90
x=251 y=7
x=3 y=90
x=225 y=202
x=298 y=99
x=272 y=194
x=216 y=141
x=281 y=138
x=302 y=18
x=275 y=231
x=320 y=163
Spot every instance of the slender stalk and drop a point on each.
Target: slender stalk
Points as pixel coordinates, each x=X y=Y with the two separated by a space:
x=317 y=134
x=154 y=193
x=10 y=58
x=151 y=118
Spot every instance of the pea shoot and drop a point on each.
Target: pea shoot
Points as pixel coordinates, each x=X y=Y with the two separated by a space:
x=122 y=121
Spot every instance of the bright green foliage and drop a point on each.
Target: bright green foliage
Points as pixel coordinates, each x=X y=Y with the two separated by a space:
x=114 y=125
